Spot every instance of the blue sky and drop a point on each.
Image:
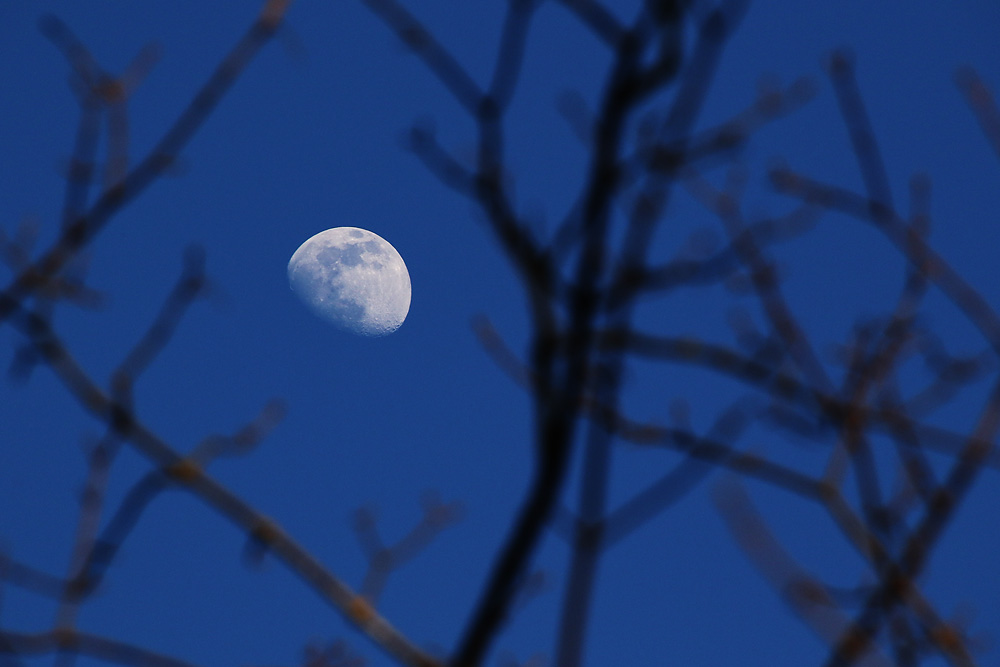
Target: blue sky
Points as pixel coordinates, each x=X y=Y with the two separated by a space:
x=311 y=137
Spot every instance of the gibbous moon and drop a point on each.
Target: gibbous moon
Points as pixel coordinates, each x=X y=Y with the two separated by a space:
x=353 y=278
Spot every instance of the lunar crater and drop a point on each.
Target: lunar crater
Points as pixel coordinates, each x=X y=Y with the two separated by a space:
x=352 y=278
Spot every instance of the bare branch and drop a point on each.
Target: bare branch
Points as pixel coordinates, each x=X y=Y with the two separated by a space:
x=95 y=646
x=83 y=230
x=423 y=44
x=189 y=475
x=911 y=245
x=512 y=45
x=872 y=166
x=982 y=103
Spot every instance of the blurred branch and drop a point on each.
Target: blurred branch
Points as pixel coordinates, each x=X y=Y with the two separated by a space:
x=632 y=82
x=190 y=475
x=383 y=559
x=771 y=104
x=674 y=485
x=983 y=104
x=911 y=245
x=784 y=387
x=765 y=281
x=102 y=550
x=79 y=174
x=511 y=56
x=99 y=461
x=898 y=580
x=800 y=590
x=189 y=287
x=813 y=601
x=115 y=93
x=29 y=578
x=81 y=231
x=582 y=286
x=841 y=70
x=423 y=44
x=94 y=646
x=719 y=453
x=336 y=654
x=717 y=268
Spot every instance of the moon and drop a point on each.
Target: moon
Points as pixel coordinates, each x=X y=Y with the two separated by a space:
x=353 y=278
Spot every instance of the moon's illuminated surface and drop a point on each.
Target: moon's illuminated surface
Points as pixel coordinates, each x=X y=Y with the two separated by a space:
x=353 y=278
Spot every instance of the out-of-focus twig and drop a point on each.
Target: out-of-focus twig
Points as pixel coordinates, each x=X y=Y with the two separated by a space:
x=384 y=559
x=912 y=246
x=189 y=475
x=982 y=102
x=841 y=70
x=804 y=592
x=82 y=230
x=90 y=645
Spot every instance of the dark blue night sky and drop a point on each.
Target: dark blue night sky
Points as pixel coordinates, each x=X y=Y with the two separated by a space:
x=314 y=135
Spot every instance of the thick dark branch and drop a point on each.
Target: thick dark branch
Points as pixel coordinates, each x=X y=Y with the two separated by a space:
x=496 y=599
x=559 y=404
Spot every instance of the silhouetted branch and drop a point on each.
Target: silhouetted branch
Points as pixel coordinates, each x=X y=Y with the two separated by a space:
x=423 y=44
x=78 y=585
x=674 y=485
x=940 y=510
x=82 y=230
x=981 y=100
x=511 y=56
x=95 y=646
x=765 y=281
x=29 y=578
x=383 y=559
x=717 y=268
x=189 y=475
x=115 y=93
x=911 y=245
x=80 y=172
x=802 y=591
x=631 y=82
x=890 y=502
x=558 y=408
x=189 y=286
x=841 y=70
x=243 y=440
